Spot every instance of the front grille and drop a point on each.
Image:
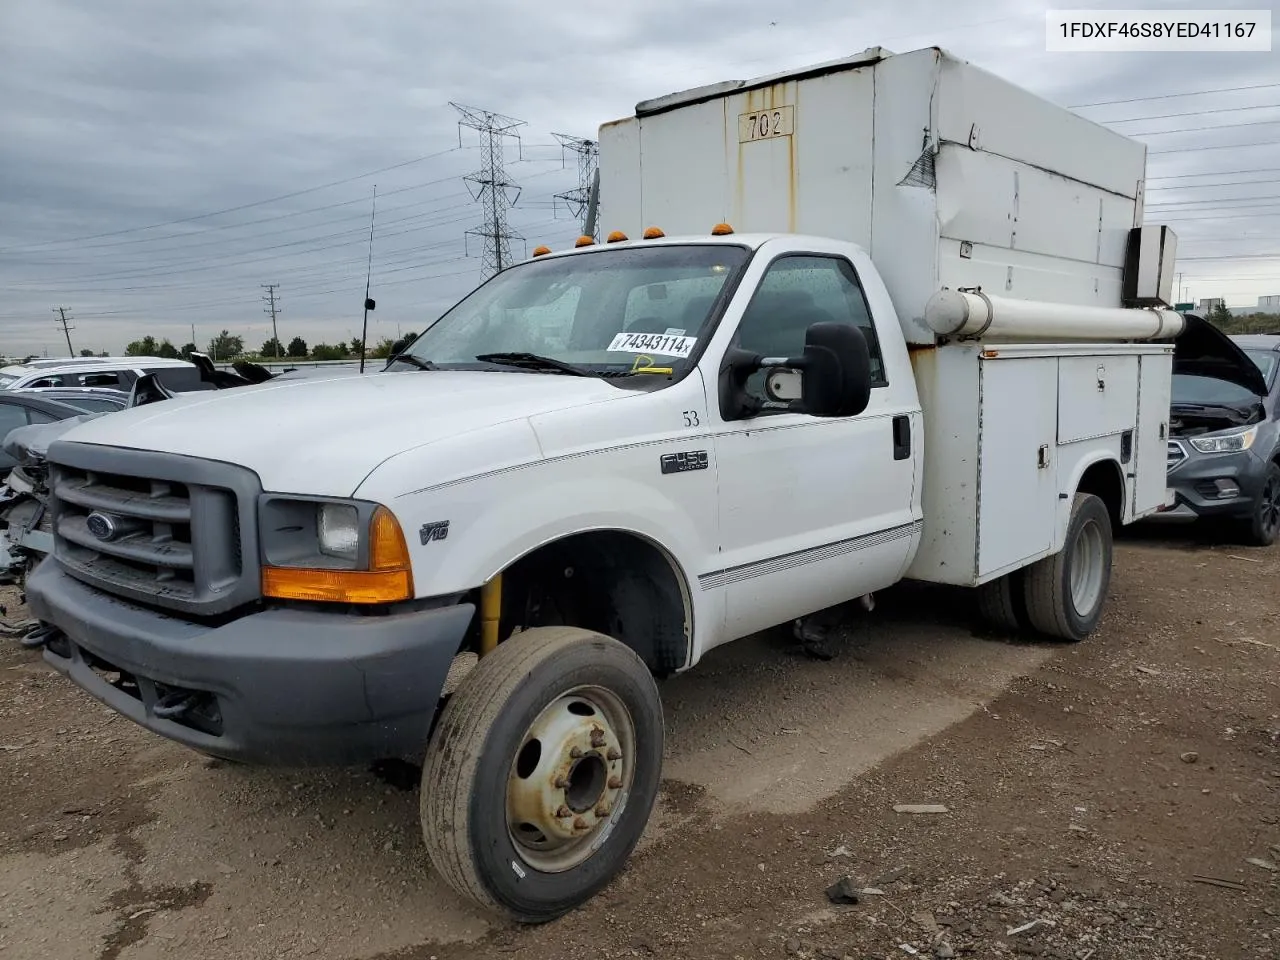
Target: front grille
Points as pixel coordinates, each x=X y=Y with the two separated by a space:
x=1176 y=455
x=165 y=531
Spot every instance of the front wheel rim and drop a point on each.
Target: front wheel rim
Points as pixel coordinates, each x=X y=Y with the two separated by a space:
x=570 y=778
x=1088 y=568
x=1270 y=518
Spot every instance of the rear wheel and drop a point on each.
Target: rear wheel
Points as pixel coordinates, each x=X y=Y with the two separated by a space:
x=1001 y=604
x=542 y=772
x=1065 y=593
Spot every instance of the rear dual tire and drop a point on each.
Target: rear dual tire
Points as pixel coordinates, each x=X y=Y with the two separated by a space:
x=1060 y=597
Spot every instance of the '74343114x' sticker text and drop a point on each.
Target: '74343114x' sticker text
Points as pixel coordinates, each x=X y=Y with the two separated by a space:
x=663 y=344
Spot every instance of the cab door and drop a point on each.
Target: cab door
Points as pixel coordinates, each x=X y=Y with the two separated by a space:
x=813 y=510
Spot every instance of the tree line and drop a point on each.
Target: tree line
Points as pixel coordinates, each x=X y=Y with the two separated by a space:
x=228 y=346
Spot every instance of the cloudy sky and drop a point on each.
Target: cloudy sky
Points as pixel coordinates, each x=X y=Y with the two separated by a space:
x=159 y=161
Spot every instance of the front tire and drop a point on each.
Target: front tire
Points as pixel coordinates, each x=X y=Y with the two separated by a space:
x=1065 y=593
x=1263 y=527
x=542 y=772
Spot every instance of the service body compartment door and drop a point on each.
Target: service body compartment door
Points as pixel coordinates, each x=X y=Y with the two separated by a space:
x=1097 y=396
x=1017 y=483
x=1150 y=465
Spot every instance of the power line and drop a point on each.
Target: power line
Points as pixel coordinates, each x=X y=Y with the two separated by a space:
x=1173 y=96
x=256 y=203
x=1214 y=173
x=1231 y=200
x=1219 y=126
x=1238 y=256
x=66 y=330
x=1224 y=146
x=493 y=184
x=1264 y=181
x=1193 y=113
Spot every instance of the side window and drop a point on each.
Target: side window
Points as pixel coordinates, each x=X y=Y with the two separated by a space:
x=797 y=292
x=99 y=379
x=54 y=381
x=39 y=416
x=12 y=416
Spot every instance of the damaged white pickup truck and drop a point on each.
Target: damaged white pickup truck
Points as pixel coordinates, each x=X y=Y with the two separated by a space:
x=900 y=321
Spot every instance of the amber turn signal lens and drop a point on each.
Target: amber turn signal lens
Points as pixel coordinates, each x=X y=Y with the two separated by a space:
x=389 y=578
x=337 y=586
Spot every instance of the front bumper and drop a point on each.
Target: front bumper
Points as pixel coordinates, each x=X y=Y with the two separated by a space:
x=282 y=687
x=1194 y=481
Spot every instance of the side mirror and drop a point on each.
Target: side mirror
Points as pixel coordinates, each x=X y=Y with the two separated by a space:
x=832 y=378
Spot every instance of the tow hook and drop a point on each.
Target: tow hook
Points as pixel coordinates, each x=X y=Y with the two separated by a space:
x=39 y=636
x=175 y=703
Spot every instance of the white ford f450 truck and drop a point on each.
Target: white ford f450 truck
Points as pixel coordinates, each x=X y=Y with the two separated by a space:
x=881 y=319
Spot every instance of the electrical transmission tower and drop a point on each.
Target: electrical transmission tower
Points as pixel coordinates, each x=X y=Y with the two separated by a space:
x=66 y=330
x=583 y=200
x=273 y=308
x=493 y=188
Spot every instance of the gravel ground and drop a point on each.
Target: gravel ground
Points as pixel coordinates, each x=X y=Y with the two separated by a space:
x=1112 y=799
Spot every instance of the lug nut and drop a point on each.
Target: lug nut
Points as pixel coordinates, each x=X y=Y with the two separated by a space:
x=561 y=782
x=580 y=824
x=614 y=754
x=576 y=753
x=597 y=737
x=564 y=813
x=615 y=783
x=603 y=810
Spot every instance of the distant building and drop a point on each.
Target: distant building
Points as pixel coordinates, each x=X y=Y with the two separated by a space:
x=1204 y=306
x=1269 y=304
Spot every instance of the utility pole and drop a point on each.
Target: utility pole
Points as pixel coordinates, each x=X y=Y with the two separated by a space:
x=270 y=298
x=580 y=199
x=493 y=187
x=66 y=330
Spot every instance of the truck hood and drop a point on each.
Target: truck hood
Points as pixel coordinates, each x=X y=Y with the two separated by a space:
x=1205 y=351
x=324 y=437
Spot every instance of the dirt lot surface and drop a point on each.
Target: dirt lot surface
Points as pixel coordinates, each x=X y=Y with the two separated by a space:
x=1118 y=798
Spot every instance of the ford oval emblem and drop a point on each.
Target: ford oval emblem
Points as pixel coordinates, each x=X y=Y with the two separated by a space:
x=101 y=525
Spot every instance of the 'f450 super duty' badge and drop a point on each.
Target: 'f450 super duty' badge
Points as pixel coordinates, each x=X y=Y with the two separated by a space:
x=686 y=460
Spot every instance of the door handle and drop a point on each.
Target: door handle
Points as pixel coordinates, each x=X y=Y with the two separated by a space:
x=901 y=437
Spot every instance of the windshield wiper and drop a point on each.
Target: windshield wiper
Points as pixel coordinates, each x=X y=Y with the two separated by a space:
x=414 y=362
x=533 y=361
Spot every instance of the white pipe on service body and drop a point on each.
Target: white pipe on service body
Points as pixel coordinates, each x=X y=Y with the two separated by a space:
x=954 y=313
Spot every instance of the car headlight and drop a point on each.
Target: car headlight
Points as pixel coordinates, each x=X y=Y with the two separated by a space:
x=1231 y=442
x=341 y=551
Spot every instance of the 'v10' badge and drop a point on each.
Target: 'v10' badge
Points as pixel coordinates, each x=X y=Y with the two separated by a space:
x=434 y=531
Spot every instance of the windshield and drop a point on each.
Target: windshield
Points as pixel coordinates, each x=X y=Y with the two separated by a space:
x=6 y=381
x=1266 y=361
x=621 y=312
x=1188 y=388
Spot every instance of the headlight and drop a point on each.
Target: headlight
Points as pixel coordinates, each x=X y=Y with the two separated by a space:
x=1233 y=442
x=337 y=551
x=338 y=527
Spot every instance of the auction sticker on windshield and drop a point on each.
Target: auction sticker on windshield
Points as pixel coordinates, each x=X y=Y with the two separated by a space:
x=660 y=343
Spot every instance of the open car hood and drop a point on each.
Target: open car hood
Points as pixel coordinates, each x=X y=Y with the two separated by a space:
x=1203 y=350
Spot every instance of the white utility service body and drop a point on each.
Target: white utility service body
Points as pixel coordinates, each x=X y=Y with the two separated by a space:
x=908 y=355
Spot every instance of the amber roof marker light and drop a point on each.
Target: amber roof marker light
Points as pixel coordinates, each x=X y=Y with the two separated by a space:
x=653 y=233
x=721 y=230
x=541 y=251
x=584 y=241
x=617 y=237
